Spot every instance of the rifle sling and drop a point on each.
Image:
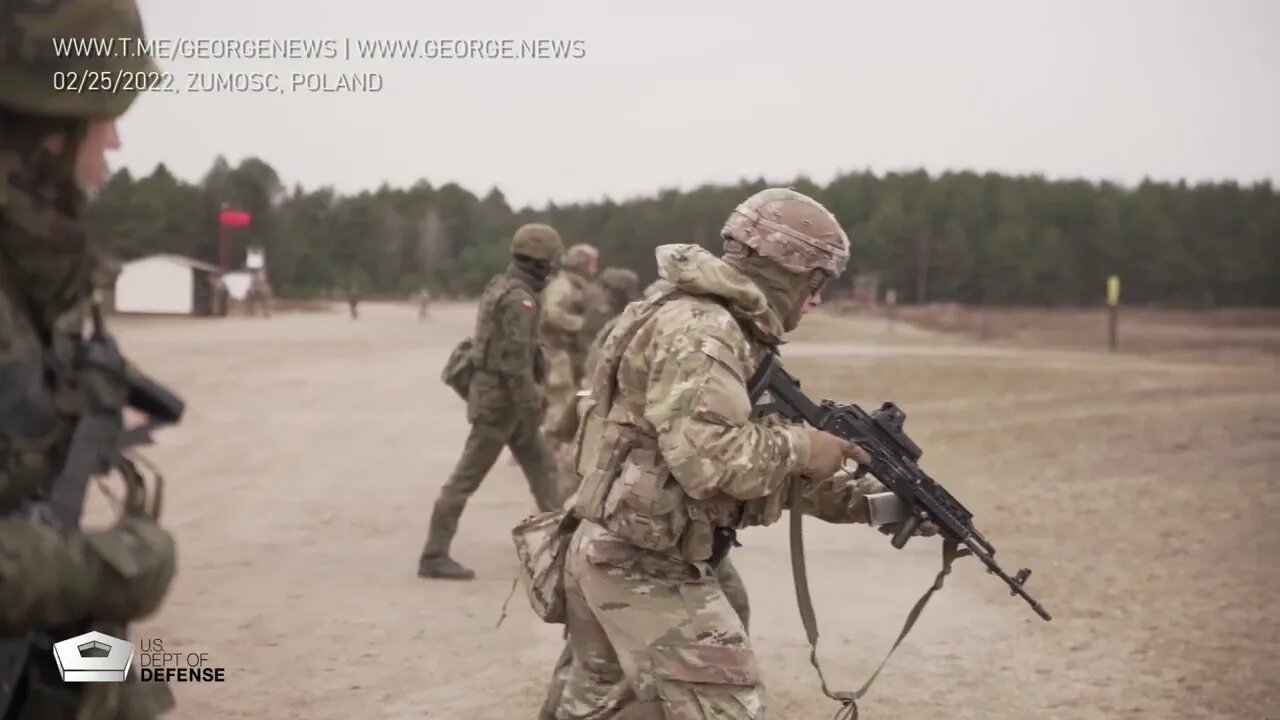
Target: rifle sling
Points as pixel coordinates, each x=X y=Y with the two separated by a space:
x=849 y=700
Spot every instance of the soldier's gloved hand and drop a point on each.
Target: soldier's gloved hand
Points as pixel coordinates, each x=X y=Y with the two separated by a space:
x=828 y=453
x=139 y=564
x=926 y=529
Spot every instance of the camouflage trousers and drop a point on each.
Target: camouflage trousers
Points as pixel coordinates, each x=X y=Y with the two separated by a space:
x=563 y=378
x=484 y=445
x=651 y=636
x=564 y=374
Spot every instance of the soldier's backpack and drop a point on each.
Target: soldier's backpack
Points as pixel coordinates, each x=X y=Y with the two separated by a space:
x=460 y=368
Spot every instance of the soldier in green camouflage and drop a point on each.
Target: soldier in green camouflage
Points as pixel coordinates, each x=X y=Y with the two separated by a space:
x=57 y=582
x=672 y=466
x=504 y=405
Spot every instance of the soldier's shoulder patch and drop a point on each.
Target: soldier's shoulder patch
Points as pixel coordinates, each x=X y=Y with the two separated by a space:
x=527 y=304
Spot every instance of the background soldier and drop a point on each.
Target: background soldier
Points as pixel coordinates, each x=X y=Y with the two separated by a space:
x=572 y=312
x=259 y=295
x=504 y=406
x=657 y=617
x=620 y=287
x=56 y=583
x=424 y=303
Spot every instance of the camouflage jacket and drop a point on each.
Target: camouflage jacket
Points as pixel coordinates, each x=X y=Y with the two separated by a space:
x=573 y=310
x=50 y=579
x=667 y=448
x=508 y=360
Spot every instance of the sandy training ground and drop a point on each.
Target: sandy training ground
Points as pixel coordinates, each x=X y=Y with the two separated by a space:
x=1142 y=490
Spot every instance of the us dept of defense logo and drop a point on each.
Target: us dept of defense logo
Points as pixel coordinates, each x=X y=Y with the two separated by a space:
x=93 y=657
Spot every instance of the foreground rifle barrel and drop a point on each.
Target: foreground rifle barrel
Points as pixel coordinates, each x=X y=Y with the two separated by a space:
x=893 y=463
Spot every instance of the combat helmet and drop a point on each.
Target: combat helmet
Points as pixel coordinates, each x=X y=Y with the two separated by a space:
x=579 y=257
x=537 y=241
x=38 y=77
x=791 y=229
x=622 y=281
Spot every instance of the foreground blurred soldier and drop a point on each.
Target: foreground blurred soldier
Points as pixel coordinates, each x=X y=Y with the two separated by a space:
x=59 y=583
x=504 y=405
x=672 y=465
x=572 y=312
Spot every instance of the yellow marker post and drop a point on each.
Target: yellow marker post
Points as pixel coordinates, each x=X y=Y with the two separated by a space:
x=1113 y=309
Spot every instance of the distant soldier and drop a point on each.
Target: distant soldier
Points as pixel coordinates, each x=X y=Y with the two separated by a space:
x=573 y=310
x=504 y=405
x=353 y=301
x=259 y=295
x=424 y=303
x=62 y=393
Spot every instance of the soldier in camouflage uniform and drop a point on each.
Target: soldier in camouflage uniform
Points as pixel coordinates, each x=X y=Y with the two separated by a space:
x=58 y=583
x=672 y=465
x=504 y=406
x=260 y=295
x=620 y=287
x=573 y=309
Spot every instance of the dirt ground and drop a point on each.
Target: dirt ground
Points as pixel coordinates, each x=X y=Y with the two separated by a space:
x=1140 y=489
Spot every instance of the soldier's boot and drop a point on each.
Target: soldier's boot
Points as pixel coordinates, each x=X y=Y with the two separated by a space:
x=443 y=567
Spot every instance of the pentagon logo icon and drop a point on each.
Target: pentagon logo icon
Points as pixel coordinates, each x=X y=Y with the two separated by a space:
x=93 y=657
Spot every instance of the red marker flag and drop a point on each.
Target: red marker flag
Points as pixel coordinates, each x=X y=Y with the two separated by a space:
x=234 y=218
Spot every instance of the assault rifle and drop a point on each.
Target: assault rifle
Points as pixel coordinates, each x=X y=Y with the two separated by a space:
x=98 y=444
x=893 y=462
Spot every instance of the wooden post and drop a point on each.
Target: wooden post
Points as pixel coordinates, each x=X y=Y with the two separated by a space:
x=891 y=299
x=1113 y=311
x=222 y=240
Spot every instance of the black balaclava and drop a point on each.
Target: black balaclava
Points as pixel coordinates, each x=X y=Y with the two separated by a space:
x=42 y=239
x=537 y=270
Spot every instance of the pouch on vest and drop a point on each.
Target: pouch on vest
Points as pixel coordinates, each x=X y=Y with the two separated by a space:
x=542 y=543
x=460 y=368
x=645 y=505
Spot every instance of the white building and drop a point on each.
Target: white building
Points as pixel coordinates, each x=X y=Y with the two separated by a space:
x=167 y=285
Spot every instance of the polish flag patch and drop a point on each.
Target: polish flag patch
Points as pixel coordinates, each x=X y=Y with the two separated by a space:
x=528 y=304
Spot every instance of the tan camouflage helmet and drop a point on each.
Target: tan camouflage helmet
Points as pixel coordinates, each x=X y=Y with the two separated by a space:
x=537 y=241
x=791 y=229
x=621 y=280
x=578 y=257
x=54 y=58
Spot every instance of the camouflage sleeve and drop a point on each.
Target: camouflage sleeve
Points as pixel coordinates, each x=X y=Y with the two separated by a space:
x=561 y=306
x=840 y=499
x=697 y=402
x=514 y=346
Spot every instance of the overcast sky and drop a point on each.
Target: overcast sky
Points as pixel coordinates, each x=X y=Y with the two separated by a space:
x=675 y=94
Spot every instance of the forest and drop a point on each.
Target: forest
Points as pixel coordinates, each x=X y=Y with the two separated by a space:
x=962 y=237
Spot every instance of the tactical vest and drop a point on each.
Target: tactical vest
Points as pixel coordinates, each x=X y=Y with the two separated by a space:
x=626 y=486
x=498 y=289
